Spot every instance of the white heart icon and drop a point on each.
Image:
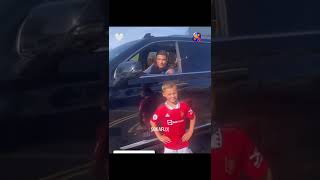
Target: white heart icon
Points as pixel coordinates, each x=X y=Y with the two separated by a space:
x=119 y=36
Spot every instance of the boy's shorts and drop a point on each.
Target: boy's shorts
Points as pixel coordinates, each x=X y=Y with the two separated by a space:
x=185 y=150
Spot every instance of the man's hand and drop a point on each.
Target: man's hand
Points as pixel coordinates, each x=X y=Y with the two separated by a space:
x=164 y=139
x=186 y=136
x=170 y=71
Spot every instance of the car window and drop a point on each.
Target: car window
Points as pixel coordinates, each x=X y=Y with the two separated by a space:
x=151 y=58
x=147 y=55
x=135 y=58
x=195 y=56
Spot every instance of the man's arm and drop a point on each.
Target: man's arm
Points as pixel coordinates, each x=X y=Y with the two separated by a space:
x=189 y=133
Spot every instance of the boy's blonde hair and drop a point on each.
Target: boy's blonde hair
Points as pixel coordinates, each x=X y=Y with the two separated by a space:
x=168 y=84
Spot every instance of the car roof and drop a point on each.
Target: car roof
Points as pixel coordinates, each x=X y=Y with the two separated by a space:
x=171 y=38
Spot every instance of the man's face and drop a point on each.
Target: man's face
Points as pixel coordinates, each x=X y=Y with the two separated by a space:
x=171 y=94
x=161 y=61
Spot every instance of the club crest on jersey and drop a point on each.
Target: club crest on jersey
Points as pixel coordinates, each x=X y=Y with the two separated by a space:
x=155 y=117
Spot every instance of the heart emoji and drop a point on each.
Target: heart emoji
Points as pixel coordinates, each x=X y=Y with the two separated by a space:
x=119 y=36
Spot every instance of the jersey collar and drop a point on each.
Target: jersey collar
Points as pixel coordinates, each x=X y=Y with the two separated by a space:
x=171 y=108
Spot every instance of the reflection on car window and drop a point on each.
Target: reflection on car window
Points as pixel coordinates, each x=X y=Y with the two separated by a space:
x=195 y=57
x=135 y=58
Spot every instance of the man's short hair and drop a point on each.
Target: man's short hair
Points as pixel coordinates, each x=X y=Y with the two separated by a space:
x=168 y=85
x=162 y=52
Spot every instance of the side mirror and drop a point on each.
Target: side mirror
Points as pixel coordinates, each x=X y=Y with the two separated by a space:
x=128 y=69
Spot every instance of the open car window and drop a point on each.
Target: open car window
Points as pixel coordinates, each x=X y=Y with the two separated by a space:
x=172 y=61
x=147 y=55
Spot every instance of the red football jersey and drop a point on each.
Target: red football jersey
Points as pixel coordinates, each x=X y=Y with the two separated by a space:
x=173 y=123
x=234 y=154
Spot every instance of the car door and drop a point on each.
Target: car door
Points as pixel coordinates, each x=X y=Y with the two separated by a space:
x=196 y=62
x=77 y=85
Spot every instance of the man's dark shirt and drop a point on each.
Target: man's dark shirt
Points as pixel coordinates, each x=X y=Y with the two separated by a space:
x=156 y=70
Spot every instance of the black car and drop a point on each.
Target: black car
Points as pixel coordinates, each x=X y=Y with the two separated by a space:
x=127 y=79
x=53 y=77
x=55 y=63
x=266 y=72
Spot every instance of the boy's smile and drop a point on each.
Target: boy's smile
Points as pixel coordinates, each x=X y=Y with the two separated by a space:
x=171 y=94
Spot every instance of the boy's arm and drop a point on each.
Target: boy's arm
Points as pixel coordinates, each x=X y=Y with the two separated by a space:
x=189 y=133
x=161 y=137
x=192 y=124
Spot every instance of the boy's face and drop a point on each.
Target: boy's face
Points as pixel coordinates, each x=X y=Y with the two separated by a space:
x=161 y=61
x=171 y=94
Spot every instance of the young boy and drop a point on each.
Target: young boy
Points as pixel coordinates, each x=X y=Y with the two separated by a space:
x=172 y=116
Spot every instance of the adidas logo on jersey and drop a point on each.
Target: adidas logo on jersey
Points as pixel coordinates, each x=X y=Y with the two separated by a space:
x=167 y=115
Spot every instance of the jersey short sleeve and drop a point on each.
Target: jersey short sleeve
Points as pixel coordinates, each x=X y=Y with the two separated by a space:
x=156 y=115
x=190 y=113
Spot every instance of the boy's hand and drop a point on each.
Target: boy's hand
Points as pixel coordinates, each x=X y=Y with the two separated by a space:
x=164 y=139
x=186 y=136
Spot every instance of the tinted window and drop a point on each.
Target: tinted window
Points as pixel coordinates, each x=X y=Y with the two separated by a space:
x=264 y=17
x=195 y=56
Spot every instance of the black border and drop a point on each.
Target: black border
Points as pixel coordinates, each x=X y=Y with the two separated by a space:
x=160 y=166
x=159 y=13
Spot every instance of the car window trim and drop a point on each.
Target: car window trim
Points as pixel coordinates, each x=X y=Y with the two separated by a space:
x=181 y=76
x=160 y=41
x=178 y=57
x=266 y=36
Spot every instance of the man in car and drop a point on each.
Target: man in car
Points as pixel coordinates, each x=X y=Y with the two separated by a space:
x=160 y=65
